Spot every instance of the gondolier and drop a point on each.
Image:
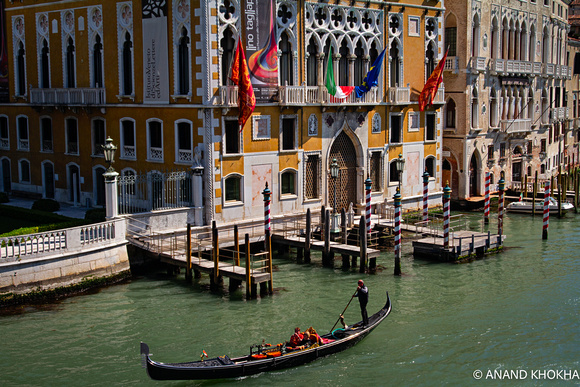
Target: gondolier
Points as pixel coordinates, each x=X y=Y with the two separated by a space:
x=362 y=292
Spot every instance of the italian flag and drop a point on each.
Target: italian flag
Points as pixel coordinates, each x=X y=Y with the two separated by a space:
x=339 y=92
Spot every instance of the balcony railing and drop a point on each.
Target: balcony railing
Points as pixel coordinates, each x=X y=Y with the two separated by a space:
x=518 y=67
x=548 y=69
x=156 y=154
x=497 y=65
x=440 y=96
x=47 y=145
x=399 y=95
x=129 y=151
x=561 y=113
x=4 y=143
x=77 y=96
x=72 y=148
x=537 y=68
x=452 y=64
x=23 y=144
x=516 y=126
x=184 y=156
x=478 y=63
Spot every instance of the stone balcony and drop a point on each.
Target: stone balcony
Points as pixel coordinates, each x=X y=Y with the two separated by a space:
x=80 y=96
x=452 y=64
x=477 y=64
x=516 y=126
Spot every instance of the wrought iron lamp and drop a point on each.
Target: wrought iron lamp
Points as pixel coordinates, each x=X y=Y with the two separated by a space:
x=109 y=152
x=400 y=165
x=334 y=169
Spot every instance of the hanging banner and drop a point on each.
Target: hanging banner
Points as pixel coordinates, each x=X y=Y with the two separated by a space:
x=155 y=57
x=4 y=93
x=262 y=48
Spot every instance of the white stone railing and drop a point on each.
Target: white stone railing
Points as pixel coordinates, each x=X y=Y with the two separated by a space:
x=452 y=64
x=516 y=126
x=399 y=95
x=478 y=63
x=66 y=96
x=70 y=240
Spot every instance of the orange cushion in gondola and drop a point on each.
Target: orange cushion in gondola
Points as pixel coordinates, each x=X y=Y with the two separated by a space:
x=258 y=356
x=274 y=354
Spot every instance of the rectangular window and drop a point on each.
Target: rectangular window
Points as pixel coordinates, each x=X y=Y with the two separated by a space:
x=543 y=145
x=430 y=131
x=233 y=191
x=502 y=150
x=155 y=141
x=288 y=134
x=312 y=177
x=232 y=137
x=72 y=140
x=4 y=140
x=288 y=187
x=451 y=40
x=22 y=123
x=128 y=137
x=46 y=133
x=395 y=129
x=375 y=171
x=490 y=152
x=98 y=137
x=24 y=171
x=184 y=151
x=414 y=122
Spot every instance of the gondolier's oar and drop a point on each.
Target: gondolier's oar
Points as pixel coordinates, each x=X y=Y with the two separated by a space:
x=345 y=308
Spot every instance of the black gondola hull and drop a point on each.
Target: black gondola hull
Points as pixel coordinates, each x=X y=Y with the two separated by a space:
x=244 y=367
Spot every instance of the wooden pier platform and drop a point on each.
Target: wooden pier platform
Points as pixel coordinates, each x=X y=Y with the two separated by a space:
x=317 y=245
x=463 y=245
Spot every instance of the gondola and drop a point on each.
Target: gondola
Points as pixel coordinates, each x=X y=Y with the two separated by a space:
x=525 y=207
x=263 y=359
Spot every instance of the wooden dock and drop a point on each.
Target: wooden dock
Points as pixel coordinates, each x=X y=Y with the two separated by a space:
x=463 y=245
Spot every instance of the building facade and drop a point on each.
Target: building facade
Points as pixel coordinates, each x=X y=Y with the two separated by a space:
x=508 y=107
x=155 y=77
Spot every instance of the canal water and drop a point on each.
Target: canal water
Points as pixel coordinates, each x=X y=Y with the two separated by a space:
x=514 y=311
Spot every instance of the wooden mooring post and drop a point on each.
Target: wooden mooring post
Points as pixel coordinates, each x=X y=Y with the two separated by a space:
x=343 y=231
x=248 y=267
x=363 y=244
x=216 y=280
x=327 y=254
x=188 y=276
x=576 y=189
x=307 y=236
x=534 y=193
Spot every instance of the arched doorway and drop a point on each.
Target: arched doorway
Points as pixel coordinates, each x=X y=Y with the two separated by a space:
x=48 y=173
x=343 y=150
x=99 y=184
x=6 y=179
x=74 y=184
x=473 y=176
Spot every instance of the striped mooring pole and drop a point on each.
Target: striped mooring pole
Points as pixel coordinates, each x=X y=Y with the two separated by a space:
x=368 y=187
x=425 y=197
x=501 y=184
x=546 y=219
x=446 y=199
x=267 y=193
x=397 y=199
x=486 y=205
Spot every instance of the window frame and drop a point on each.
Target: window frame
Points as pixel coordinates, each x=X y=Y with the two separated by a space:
x=123 y=153
x=95 y=151
x=391 y=115
x=239 y=201
x=288 y=195
x=434 y=166
x=149 y=147
x=178 y=149
x=43 y=119
x=21 y=171
x=317 y=179
x=225 y=141
x=377 y=185
x=5 y=141
x=66 y=135
x=434 y=130
x=19 y=138
x=283 y=118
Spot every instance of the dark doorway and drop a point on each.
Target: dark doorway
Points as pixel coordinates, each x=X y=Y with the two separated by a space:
x=48 y=180
x=6 y=178
x=473 y=177
x=344 y=152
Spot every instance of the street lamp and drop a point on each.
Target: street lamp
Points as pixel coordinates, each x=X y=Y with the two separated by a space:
x=400 y=165
x=334 y=169
x=109 y=152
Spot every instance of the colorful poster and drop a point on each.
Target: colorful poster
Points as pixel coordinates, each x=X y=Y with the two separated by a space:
x=155 y=57
x=4 y=92
x=262 y=48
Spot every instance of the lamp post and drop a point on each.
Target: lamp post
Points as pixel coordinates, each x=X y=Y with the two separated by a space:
x=334 y=169
x=501 y=184
x=400 y=165
x=110 y=179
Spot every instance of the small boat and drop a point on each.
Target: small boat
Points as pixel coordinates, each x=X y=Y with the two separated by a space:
x=262 y=359
x=525 y=206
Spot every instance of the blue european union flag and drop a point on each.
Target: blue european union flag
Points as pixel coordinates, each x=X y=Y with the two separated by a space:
x=372 y=78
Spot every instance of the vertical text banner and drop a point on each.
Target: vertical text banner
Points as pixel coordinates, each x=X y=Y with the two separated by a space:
x=155 y=57
x=262 y=48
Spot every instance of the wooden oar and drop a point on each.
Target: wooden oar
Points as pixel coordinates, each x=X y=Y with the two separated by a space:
x=344 y=310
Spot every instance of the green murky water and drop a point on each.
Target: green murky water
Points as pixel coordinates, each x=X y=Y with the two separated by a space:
x=515 y=310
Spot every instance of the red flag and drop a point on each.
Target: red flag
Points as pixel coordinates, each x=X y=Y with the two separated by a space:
x=430 y=89
x=241 y=77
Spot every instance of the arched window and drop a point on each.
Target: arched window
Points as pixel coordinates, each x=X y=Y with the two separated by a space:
x=70 y=64
x=128 y=149
x=451 y=34
x=430 y=60
x=475 y=37
x=505 y=31
x=430 y=166
x=545 y=46
x=494 y=49
x=227 y=46
x=72 y=136
x=312 y=64
x=155 y=140
x=359 y=70
x=46 y=134
x=233 y=188
x=22 y=131
x=393 y=173
x=530 y=114
x=450 y=114
x=343 y=67
x=24 y=167
x=474 y=109
x=286 y=68
x=98 y=62
x=524 y=43
x=395 y=71
x=183 y=62
x=44 y=66
x=127 y=65
x=288 y=182
x=98 y=136
x=21 y=70
x=493 y=109
x=184 y=142
x=532 y=44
